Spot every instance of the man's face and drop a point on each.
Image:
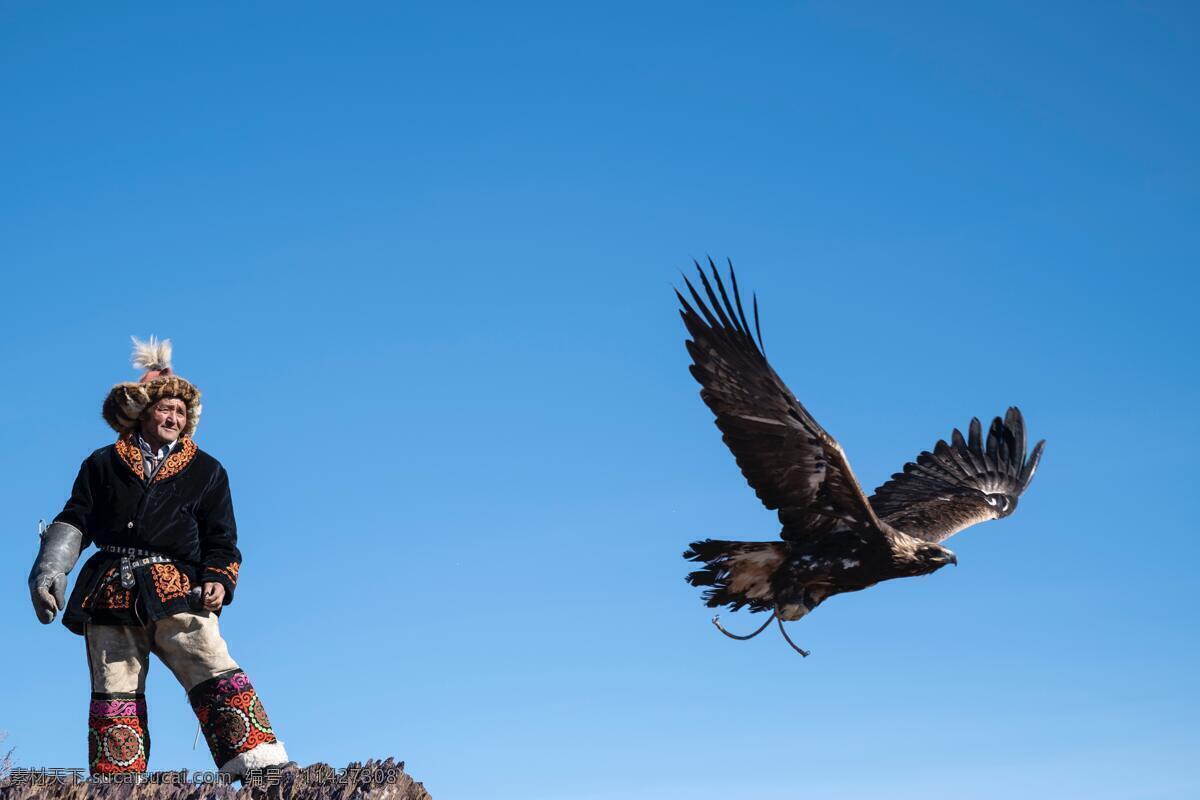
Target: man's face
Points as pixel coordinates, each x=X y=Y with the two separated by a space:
x=165 y=420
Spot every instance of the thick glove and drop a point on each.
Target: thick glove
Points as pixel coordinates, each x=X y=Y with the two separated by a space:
x=61 y=544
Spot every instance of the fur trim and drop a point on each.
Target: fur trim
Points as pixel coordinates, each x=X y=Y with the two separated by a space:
x=126 y=401
x=153 y=354
x=265 y=755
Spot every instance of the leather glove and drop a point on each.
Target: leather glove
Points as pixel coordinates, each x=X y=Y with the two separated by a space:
x=61 y=544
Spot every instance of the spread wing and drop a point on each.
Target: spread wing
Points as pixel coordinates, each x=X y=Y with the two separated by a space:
x=792 y=464
x=962 y=483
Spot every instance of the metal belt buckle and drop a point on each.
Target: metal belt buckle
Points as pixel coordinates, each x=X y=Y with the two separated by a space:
x=126 y=573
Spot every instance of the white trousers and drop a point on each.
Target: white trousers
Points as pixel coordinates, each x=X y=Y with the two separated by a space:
x=190 y=644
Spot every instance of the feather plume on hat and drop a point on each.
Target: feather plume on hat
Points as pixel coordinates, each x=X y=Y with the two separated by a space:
x=125 y=402
x=152 y=354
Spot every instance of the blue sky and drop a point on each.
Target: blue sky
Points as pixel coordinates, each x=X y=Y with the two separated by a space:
x=419 y=258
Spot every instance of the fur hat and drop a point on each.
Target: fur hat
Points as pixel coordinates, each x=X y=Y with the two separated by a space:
x=126 y=401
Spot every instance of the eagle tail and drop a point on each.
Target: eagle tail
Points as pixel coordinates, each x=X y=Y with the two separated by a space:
x=738 y=573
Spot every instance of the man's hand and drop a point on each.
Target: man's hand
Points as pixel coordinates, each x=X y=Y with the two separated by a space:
x=214 y=595
x=56 y=557
x=49 y=597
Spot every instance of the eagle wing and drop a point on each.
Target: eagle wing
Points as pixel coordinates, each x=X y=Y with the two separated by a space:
x=962 y=483
x=792 y=464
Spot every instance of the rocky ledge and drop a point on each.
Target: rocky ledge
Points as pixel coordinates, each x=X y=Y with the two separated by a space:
x=374 y=780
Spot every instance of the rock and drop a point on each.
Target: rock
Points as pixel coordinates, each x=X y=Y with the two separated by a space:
x=374 y=780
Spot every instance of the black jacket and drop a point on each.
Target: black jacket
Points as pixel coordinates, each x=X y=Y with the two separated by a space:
x=185 y=513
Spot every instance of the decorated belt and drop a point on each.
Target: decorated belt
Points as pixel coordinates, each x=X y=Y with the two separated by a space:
x=129 y=551
x=134 y=557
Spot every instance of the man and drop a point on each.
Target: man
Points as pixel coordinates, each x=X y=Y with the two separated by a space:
x=160 y=511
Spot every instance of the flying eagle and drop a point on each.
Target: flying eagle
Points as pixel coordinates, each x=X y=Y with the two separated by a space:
x=835 y=538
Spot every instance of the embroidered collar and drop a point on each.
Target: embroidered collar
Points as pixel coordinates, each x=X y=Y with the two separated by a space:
x=147 y=450
x=131 y=454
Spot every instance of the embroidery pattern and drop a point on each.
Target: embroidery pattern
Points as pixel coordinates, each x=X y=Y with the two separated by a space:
x=177 y=461
x=230 y=571
x=231 y=716
x=109 y=593
x=118 y=737
x=169 y=582
x=131 y=454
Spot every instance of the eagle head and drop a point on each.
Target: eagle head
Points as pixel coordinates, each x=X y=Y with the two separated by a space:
x=1004 y=504
x=928 y=557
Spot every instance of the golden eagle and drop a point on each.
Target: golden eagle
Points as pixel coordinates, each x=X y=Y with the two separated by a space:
x=835 y=538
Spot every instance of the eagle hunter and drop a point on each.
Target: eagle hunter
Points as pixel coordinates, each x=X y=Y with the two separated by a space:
x=835 y=538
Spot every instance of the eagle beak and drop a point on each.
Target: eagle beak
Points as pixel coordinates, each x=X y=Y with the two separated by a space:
x=954 y=559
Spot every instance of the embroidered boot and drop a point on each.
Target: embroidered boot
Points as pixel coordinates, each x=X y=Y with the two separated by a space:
x=118 y=736
x=235 y=725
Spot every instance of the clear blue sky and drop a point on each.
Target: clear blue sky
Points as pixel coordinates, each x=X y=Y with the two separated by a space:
x=419 y=258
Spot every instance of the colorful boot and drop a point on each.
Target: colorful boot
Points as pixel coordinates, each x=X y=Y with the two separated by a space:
x=118 y=736
x=235 y=725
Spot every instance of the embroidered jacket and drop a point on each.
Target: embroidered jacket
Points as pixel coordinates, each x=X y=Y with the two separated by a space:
x=152 y=459
x=184 y=512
